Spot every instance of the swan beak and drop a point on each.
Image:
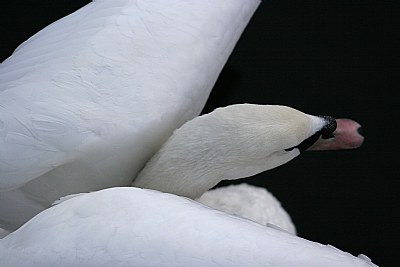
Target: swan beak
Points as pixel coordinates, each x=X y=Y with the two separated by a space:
x=348 y=135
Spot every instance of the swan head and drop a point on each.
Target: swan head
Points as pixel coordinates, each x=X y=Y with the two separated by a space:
x=229 y=143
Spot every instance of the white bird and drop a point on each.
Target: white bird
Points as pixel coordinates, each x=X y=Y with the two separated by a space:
x=85 y=102
x=81 y=119
x=130 y=226
x=127 y=227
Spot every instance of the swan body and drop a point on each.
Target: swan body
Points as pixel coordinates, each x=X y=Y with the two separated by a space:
x=86 y=101
x=250 y=202
x=243 y=200
x=126 y=227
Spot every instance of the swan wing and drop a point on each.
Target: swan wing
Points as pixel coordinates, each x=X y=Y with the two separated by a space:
x=86 y=101
x=128 y=227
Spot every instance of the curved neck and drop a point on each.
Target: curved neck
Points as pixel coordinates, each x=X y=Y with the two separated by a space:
x=230 y=143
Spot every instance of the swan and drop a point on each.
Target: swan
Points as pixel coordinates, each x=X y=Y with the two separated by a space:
x=34 y=163
x=85 y=102
x=132 y=226
x=48 y=144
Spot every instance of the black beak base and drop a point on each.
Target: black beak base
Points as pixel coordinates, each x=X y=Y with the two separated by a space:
x=329 y=128
x=326 y=132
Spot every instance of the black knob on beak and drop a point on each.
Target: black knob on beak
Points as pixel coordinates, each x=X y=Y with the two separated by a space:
x=329 y=128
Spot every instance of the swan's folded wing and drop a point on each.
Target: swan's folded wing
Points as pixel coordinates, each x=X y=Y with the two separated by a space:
x=137 y=227
x=86 y=101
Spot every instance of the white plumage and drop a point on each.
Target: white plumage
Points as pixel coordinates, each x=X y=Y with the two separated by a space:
x=137 y=227
x=127 y=227
x=3 y=233
x=250 y=202
x=86 y=101
x=229 y=143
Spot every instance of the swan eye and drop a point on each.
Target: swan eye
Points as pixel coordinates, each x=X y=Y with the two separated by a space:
x=290 y=149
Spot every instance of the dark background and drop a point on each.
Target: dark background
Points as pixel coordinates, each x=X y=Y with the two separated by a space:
x=322 y=57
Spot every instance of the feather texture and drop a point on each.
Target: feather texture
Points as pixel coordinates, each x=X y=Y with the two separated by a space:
x=126 y=227
x=86 y=101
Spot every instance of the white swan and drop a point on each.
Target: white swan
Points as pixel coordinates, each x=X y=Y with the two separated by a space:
x=86 y=101
x=24 y=94
x=128 y=226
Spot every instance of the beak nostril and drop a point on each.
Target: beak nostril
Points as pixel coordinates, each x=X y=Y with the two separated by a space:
x=360 y=131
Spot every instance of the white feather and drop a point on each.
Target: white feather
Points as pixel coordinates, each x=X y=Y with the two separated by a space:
x=83 y=105
x=250 y=202
x=127 y=227
x=86 y=101
x=233 y=142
